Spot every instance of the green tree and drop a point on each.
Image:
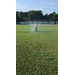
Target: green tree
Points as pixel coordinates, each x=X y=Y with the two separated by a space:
x=46 y=16
x=17 y=17
x=51 y=16
x=25 y=16
x=56 y=17
x=21 y=16
x=39 y=15
x=35 y=15
x=31 y=15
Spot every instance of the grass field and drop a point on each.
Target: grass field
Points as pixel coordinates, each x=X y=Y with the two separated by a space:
x=36 y=52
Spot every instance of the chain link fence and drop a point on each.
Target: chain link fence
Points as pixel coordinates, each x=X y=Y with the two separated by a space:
x=37 y=22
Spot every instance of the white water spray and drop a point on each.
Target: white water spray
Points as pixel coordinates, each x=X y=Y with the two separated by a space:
x=32 y=29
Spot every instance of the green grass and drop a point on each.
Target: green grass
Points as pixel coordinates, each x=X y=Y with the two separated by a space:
x=36 y=52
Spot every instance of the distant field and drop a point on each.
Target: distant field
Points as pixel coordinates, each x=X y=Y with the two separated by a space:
x=49 y=25
x=36 y=52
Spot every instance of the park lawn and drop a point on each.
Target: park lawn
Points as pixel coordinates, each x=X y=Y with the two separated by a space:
x=36 y=52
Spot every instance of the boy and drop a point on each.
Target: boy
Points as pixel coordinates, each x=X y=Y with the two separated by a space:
x=36 y=28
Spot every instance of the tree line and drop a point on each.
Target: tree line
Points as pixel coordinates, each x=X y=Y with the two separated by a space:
x=35 y=15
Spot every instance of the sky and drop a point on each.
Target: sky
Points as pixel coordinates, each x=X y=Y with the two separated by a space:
x=46 y=6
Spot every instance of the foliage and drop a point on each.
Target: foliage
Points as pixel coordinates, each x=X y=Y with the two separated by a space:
x=35 y=15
